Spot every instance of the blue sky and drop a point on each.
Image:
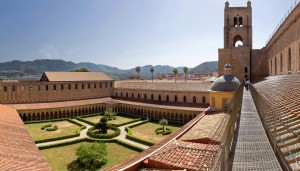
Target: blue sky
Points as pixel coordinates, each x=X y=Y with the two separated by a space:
x=125 y=33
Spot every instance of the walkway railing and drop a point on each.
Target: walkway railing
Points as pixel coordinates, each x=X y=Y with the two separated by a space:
x=233 y=108
x=264 y=107
x=293 y=6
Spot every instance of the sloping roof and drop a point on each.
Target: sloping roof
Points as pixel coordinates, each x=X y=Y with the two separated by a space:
x=164 y=86
x=17 y=149
x=75 y=76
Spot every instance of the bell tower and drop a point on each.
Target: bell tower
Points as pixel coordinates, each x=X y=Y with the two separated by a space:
x=237 y=40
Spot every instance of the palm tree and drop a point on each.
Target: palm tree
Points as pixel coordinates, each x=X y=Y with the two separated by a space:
x=152 y=70
x=185 y=70
x=163 y=122
x=138 y=70
x=175 y=71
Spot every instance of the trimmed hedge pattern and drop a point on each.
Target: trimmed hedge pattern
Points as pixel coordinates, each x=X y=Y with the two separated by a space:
x=119 y=142
x=137 y=139
x=104 y=136
x=126 y=123
x=52 y=128
x=160 y=131
x=76 y=134
x=46 y=126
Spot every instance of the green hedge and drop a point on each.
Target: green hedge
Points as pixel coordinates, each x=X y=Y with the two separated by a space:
x=85 y=121
x=137 y=139
x=104 y=136
x=76 y=134
x=46 y=126
x=119 y=142
x=42 y=121
x=52 y=128
x=90 y=115
x=160 y=131
x=126 y=123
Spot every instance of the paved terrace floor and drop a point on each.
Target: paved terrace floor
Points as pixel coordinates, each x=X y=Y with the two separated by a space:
x=252 y=149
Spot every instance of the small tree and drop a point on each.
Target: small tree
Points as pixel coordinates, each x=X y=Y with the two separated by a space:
x=91 y=156
x=80 y=70
x=109 y=113
x=175 y=71
x=163 y=122
x=152 y=70
x=185 y=70
x=138 y=70
x=102 y=125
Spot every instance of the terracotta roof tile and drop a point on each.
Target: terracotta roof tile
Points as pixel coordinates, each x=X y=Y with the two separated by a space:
x=77 y=76
x=17 y=149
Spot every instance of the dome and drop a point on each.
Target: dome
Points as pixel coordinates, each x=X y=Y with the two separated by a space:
x=227 y=66
x=226 y=83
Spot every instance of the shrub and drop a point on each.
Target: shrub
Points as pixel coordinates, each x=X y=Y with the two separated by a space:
x=52 y=128
x=93 y=134
x=166 y=132
x=46 y=126
x=91 y=156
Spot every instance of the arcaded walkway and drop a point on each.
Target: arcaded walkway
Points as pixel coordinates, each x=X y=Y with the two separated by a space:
x=252 y=149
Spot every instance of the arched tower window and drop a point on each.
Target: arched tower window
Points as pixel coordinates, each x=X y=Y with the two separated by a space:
x=290 y=60
x=238 y=41
x=246 y=69
x=240 y=23
x=235 y=22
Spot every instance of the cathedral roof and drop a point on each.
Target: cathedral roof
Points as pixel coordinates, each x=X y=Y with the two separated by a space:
x=226 y=83
x=75 y=76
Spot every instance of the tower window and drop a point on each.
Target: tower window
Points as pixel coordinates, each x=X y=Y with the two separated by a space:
x=246 y=69
x=240 y=23
x=235 y=22
x=5 y=88
x=238 y=41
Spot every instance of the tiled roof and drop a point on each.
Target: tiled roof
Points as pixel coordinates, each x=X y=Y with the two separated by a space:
x=210 y=127
x=75 y=76
x=17 y=149
x=164 y=86
x=185 y=155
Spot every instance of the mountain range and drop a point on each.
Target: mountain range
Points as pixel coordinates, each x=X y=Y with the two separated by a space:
x=33 y=69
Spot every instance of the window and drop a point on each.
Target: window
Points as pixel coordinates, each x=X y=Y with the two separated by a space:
x=127 y=95
x=184 y=99
x=76 y=86
x=194 y=99
x=240 y=21
x=69 y=86
x=145 y=96
x=290 y=60
x=246 y=69
x=82 y=86
x=54 y=87
x=95 y=85
x=13 y=88
x=152 y=97
x=5 y=88
x=89 y=86
x=175 y=99
x=167 y=98
x=139 y=96
x=132 y=95
x=235 y=21
x=62 y=87
x=159 y=98
x=238 y=41
x=47 y=87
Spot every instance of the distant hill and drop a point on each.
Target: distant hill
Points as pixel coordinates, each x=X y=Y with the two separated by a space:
x=206 y=67
x=34 y=69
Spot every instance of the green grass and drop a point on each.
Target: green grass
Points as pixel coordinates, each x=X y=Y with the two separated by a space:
x=147 y=131
x=64 y=128
x=119 y=119
x=60 y=157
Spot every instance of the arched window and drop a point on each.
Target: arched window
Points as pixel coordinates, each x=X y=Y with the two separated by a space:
x=54 y=87
x=240 y=21
x=61 y=86
x=82 y=86
x=127 y=95
x=121 y=94
x=159 y=98
x=184 y=99
x=132 y=95
x=281 y=62
x=235 y=22
x=139 y=96
x=290 y=60
x=246 y=69
x=145 y=96
x=194 y=99
x=238 y=41
x=203 y=99
x=175 y=99
x=76 y=86
x=5 y=88
x=13 y=88
x=167 y=98
x=46 y=87
x=152 y=97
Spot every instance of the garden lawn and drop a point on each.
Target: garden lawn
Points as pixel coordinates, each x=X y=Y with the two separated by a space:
x=119 y=119
x=147 y=131
x=64 y=128
x=60 y=157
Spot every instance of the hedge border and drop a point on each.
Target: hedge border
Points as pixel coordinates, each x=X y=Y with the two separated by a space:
x=76 y=134
x=104 y=136
x=119 y=142
x=137 y=139
x=167 y=132
x=117 y=125
x=42 y=121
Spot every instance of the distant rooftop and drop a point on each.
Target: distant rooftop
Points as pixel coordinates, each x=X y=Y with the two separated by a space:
x=75 y=76
x=164 y=86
